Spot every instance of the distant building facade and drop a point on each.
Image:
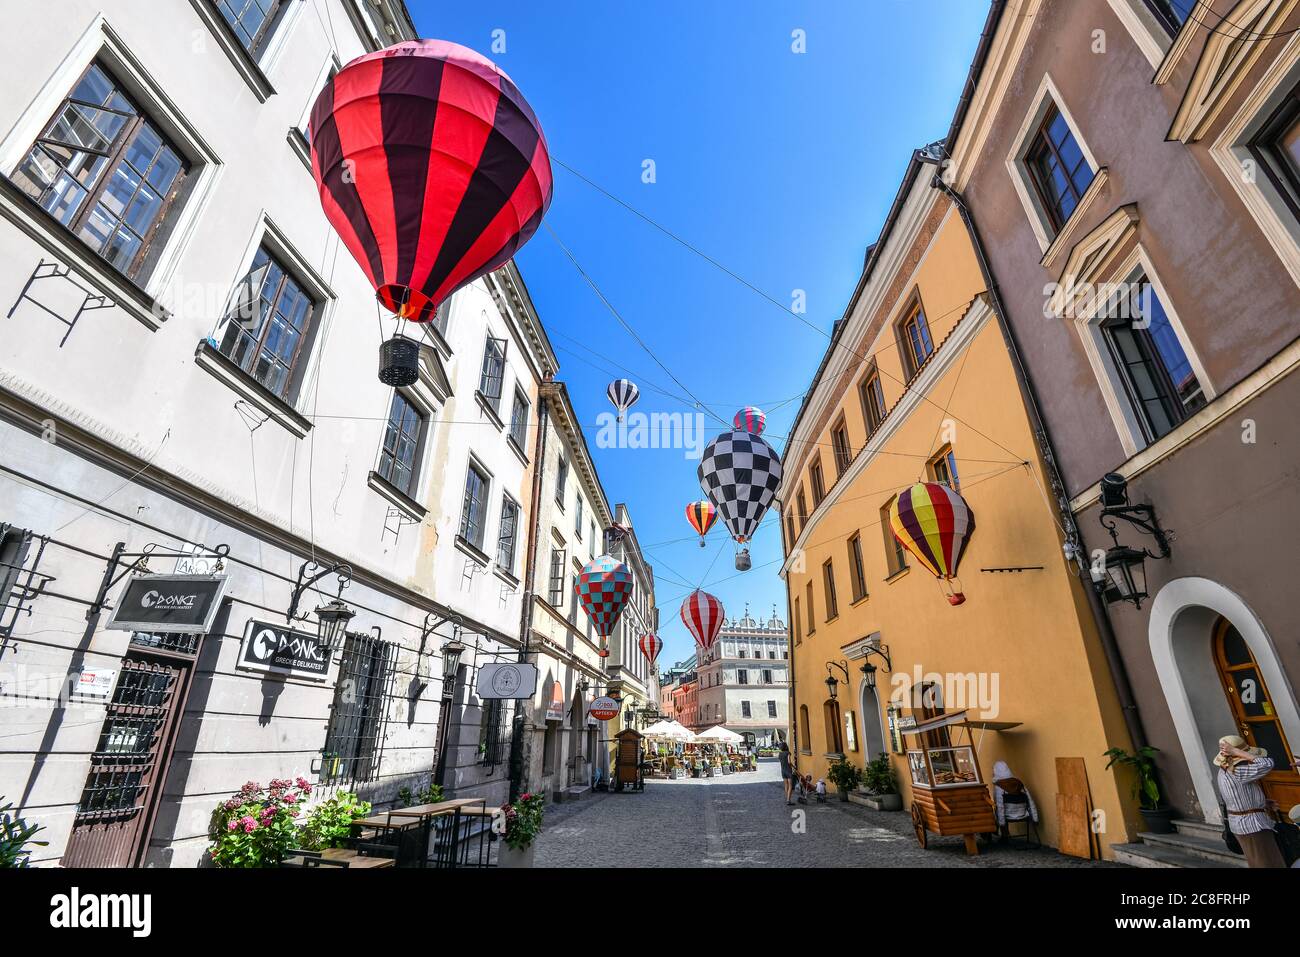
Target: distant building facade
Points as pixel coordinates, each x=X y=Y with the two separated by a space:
x=744 y=680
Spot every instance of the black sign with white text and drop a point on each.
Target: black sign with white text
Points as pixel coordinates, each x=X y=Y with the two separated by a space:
x=168 y=603
x=284 y=651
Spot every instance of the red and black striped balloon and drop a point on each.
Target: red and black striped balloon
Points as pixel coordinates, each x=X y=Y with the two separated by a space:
x=432 y=168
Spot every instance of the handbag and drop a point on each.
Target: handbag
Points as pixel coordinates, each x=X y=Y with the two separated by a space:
x=1288 y=840
x=1229 y=839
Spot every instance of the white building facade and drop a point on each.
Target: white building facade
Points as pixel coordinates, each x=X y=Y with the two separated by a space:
x=153 y=180
x=744 y=680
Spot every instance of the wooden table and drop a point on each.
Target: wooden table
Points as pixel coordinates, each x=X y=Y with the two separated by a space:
x=351 y=858
x=424 y=814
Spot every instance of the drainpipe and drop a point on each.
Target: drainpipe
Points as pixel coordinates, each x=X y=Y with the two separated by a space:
x=1109 y=643
x=526 y=614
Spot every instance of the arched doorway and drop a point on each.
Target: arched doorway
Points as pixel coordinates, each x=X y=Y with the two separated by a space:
x=873 y=732
x=1256 y=715
x=1184 y=624
x=577 y=771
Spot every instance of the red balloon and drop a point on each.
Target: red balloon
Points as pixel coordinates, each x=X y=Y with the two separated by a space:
x=650 y=646
x=431 y=167
x=702 y=614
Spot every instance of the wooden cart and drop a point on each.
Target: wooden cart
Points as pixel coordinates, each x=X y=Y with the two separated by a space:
x=627 y=761
x=949 y=796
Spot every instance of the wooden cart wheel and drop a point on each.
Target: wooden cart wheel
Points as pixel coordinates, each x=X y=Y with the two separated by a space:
x=918 y=825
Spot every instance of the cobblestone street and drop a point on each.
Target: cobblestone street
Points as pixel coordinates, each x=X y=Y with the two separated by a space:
x=743 y=821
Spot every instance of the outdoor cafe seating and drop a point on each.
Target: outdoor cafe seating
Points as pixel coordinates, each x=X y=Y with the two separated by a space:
x=454 y=833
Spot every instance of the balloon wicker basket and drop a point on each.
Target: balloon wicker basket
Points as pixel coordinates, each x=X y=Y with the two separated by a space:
x=743 y=562
x=399 y=361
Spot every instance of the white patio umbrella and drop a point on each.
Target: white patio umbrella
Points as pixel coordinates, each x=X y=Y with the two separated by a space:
x=719 y=733
x=669 y=729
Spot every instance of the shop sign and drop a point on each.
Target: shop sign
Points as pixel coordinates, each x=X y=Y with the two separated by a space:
x=285 y=651
x=95 y=682
x=603 y=708
x=507 y=680
x=168 y=603
x=555 y=707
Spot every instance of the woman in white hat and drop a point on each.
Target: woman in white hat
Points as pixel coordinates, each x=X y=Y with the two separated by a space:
x=1240 y=771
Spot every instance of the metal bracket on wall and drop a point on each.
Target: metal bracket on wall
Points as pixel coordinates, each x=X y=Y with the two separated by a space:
x=53 y=269
x=20 y=583
x=139 y=562
x=394 y=521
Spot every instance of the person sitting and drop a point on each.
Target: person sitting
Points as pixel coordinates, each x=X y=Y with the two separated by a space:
x=1012 y=801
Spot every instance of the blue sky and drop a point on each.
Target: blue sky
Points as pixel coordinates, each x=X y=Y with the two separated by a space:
x=780 y=165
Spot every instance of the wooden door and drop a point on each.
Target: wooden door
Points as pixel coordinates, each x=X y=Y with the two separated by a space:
x=1253 y=710
x=129 y=764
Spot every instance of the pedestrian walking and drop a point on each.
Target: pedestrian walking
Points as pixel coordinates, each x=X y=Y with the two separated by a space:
x=1240 y=771
x=787 y=772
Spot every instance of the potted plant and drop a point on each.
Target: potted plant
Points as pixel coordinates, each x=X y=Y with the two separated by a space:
x=16 y=839
x=844 y=776
x=330 y=821
x=257 y=827
x=1158 y=817
x=881 y=784
x=521 y=823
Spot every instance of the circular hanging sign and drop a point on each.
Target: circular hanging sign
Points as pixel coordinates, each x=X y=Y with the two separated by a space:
x=603 y=708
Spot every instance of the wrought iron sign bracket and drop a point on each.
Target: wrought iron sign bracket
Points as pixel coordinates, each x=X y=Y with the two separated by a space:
x=140 y=563
x=1143 y=518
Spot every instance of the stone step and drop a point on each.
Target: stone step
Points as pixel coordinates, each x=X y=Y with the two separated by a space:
x=1197 y=845
x=1199 y=829
x=1149 y=855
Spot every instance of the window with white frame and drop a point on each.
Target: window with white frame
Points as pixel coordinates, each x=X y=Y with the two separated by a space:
x=507 y=534
x=400 y=453
x=493 y=374
x=473 y=514
x=251 y=21
x=519 y=420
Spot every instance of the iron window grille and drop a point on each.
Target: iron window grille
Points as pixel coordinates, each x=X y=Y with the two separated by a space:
x=251 y=21
x=519 y=421
x=268 y=327
x=492 y=743
x=494 y=371
x=1058 y=168
x=473 y=514
x=104 y=171
x=555 y=592
x=400 y=451
x=354 y=740
x=508 y=533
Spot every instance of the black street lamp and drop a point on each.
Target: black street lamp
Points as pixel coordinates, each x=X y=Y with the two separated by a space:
x=832 y=685
x=334 y=616
x=451 y=653
x=1124 y=576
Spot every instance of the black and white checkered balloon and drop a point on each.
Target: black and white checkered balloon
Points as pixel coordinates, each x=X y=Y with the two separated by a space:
x=740 y=474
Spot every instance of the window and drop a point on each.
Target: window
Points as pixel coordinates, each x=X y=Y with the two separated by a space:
x=442 y=316
x=555 y=592
x=914 y=331
x=805 y=736
x=943 y=469
x=519 y=421
x=1057 y=166
x=831 y=714
x=895 y=554
x=490 y=745
x=1276 y=148
x=354 y=740
x=818 y=482
x=812 y=620
x=473 y=512
x=561 y=479
x=1159 y=380
x=267 y=331
x=744 y=709
x=742 y=676
x=771 y=709
x=494 y=371
x=840 y=445
x=250 y=20
x=1172 y=14
x=767 y=676
x=508 y=533
x=577 y=517
x=399 y=454
x=828 y=577
x=803 y=508
x=872 y=395
x=772 y=655
x=104 y=171
x=798 y=624
x=789 y=528
x=857 y=573
x=850 y=731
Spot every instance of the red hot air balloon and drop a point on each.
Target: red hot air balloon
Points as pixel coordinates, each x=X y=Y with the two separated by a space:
x=702 y=614
x=702 y=515
x=431 y=167
x=935 y=524
x=650 y=646
x=603 y=587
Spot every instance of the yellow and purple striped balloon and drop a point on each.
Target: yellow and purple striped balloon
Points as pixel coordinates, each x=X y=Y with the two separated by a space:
x=935 y=524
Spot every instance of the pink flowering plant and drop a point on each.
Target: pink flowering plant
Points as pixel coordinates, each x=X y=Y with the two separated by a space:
x=523 y=821
x=257 y=826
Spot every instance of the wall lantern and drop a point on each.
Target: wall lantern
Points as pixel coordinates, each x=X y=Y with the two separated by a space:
x=451 y=653
x=333 y=615
x=1124 y=576
x=832 y=685
x=868 y=669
